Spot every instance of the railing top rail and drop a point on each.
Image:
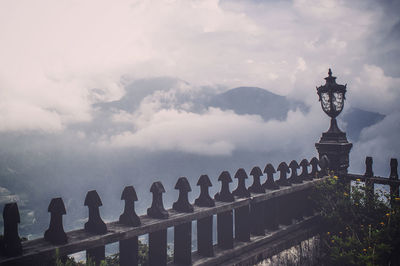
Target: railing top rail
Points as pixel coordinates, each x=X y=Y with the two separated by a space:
x=374 y=179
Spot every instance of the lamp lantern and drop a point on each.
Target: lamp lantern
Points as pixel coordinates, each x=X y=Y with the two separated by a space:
x=333 y=143
x=332 y=96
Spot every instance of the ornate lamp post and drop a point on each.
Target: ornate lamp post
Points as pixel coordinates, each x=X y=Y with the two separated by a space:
x=333 y=143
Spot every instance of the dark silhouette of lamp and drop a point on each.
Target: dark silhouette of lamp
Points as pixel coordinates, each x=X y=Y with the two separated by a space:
x=332 y=96
x=333 y=143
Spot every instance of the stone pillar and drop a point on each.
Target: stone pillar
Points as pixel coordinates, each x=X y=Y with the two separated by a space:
x=334 y=144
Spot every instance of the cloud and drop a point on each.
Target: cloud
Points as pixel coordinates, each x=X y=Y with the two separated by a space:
x=379 y=141
x=19 y=116
x=165 y=122
x=60 y=55
x=59 y=58
x=6 y=196
x=373 y=90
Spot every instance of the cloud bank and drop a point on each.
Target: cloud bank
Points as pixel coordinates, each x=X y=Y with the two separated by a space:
x=60 y=59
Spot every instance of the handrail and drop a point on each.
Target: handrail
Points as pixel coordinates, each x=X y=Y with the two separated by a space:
x=79 y=240
x=375 y=179
x=255 y=210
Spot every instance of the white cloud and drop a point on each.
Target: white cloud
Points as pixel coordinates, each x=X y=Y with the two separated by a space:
x=373 y=90
x=122 y=117
x=6 y=196
x=213 y=131
x=381 y=141
x=19 y=116
x=59 y=57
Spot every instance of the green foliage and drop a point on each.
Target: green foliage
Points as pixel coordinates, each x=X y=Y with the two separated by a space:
x=68 y=261
x=143 y=254
x=359 y=227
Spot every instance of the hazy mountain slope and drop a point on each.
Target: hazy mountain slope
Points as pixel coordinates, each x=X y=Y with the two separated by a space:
x=252 y=100
x=357 y=119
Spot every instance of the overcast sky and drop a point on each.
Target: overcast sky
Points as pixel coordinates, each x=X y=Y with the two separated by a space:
x=58 y=58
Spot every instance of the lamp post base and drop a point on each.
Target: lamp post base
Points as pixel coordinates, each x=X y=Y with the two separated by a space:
x=338 y=154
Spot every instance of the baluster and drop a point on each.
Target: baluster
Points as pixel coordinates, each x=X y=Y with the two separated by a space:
x=183 y=232
x=96 y=255
x=271 y=217
x=368 y=167
x=256 y=187
x=283 y=168
x=242 y=227
x=308 y=208
x=129 y=216
x=204 y=200
x=224 y=219
x=128 y=248
x=95 y=225
x=128 y=251
x=270 y=206
x=314 y=170
x=284 y=202
x=257 y=209
x=55 y=234
x=225 y=230
x=158 y=248
x=270 y=182
x=157 y=209
x=205 y=225
x=297 y=198
x=241 y=190
x=305 y=176
x=308 y=203
x=284 y=209
x=182 y=204
x=11 y=241
x=294 y=178
x=394 y=189
x=393 y=169
x=369 y=184
x=224 y=195
x=183 y=244
x=298 y=204
x=242 y=224
x=256 y=218
x=157 y=239
x=204 y=236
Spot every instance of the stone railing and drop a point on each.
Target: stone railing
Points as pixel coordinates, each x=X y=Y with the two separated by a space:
x=267 y=216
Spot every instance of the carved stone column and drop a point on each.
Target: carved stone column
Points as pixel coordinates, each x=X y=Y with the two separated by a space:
x=334 y=144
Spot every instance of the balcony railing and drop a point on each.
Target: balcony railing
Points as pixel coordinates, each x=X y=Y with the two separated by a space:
x=251 y=223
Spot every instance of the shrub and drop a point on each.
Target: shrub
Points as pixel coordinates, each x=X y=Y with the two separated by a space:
x=359 y=227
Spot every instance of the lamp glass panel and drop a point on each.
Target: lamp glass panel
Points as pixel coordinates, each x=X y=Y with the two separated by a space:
x=338 y=101
x=325 y=102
